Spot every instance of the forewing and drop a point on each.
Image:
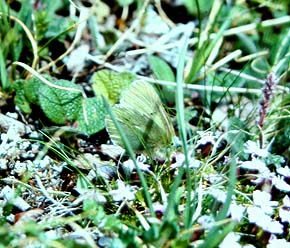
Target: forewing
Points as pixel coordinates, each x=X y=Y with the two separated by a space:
x=143 y=97
x=129 y=121
x=142 y=118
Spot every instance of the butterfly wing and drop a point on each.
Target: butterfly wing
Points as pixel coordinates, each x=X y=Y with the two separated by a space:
x=142 y=117
x=129 y=121
x=142 y=97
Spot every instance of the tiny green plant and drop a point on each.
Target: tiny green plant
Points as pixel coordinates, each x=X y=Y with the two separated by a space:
x=224 y=76
x=63 y=102
x=27 y=33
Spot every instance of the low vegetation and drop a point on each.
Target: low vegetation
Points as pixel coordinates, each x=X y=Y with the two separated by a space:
x=135 y=123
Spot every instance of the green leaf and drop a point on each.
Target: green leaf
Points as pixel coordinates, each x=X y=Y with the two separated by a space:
x=20 y=98
x=125 y=2
x=48 y=22
x=3 y=72
x=204 y=6
x=217 y=234
x=27 y=92
x=31 y=89
x=60 y=105
x=91 y=118
x=161 y=69
x=110 y=84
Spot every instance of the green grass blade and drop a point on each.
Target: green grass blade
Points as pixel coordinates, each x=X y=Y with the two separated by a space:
x=282 y=56
x=218 y=233
x=3 y=73
x=170 y=219
x=182 y=130
x=170 y=215
x=231 y=187
x=204 y=51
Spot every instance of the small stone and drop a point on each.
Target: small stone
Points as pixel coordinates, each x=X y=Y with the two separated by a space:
x=34 y=135
x=24 y=145
x=113 y=151
x=104 y=241
x=28 y=155
x=43 y=163
x=35 y=147
x=3 y=164
x=20 y=168
x=9 y=195
x=7 y=123
x=12 y=115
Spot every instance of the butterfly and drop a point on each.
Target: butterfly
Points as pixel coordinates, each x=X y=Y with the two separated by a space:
x=142 y=118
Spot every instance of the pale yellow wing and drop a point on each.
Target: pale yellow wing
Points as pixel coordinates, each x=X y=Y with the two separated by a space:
x=142 y=117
